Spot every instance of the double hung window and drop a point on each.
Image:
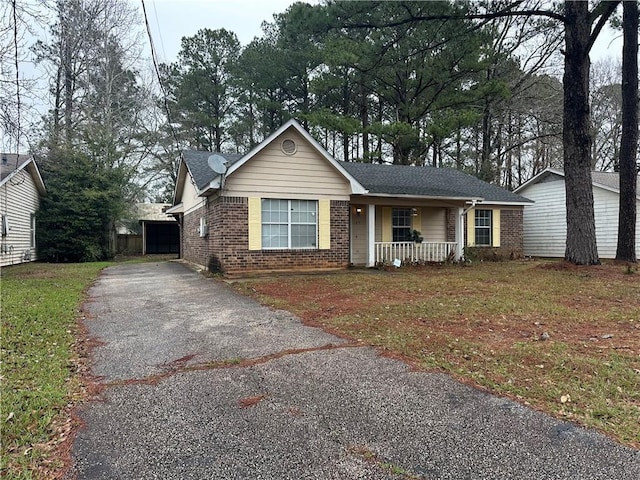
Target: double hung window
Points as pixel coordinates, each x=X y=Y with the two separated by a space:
x=289 y=224
x=401 y=224
x=483 y=227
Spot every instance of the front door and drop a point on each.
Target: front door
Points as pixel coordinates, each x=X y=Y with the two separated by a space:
x=358 y=215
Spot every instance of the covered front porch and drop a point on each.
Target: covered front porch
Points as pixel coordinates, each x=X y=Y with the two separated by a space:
x=409 y=230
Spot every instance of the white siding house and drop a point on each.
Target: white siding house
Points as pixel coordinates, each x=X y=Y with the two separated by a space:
x=21 y=187
x=545 y=222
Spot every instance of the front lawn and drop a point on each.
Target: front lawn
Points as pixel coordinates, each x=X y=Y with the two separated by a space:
x=563 y=339
x=38 y=378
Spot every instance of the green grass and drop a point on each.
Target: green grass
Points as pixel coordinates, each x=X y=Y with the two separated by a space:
x=40 y=305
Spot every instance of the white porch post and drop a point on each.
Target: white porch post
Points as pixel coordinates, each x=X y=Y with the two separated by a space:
x=460 y=234
x=371 y=232
x=144 y=238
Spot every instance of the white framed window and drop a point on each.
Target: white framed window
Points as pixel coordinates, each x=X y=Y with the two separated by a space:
x=32 y=230
x=401 y=224
x=289 y=224
x=483 y=227
x=5 y=225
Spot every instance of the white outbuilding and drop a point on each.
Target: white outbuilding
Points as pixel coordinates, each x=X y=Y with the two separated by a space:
x=545 y=221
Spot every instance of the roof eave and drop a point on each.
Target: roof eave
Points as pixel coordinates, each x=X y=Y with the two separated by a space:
x=535 y=179
x=180 y=179
x=506 y=203
x=32 y=167
x=178 y=208
x=424 y=197
x=37 y=178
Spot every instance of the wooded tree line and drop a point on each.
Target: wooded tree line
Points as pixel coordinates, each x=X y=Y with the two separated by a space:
x=99 y=142
x=471 y=85
x=376 y=86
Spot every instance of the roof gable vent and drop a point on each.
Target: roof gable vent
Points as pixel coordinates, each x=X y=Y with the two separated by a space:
x=288 y=146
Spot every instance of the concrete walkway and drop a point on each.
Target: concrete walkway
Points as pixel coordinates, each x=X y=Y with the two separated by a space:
x=203 y=383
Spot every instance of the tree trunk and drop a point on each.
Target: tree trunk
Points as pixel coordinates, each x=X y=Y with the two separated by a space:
x=68 y=89
x=364 y=119
x=626 y=249
x=581 y=246
x=486 y=169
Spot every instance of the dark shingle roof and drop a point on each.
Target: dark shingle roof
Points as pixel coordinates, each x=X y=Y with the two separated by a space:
x=13 y=162
x=426 y=181
x=197 y=163
x=608 y=179
x=384 y=179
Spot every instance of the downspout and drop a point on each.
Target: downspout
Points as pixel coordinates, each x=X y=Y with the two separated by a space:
x=473 y=205
x=460 y=229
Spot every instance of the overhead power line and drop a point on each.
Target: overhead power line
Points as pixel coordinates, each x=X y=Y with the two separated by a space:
x=154 y=58
x=15 y=46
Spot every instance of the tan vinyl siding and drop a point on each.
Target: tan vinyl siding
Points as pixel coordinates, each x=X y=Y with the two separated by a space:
x=22 y=201
x=434 y=224
x=416 y=220
x=190 y=199
x=387 y=225
x=273 y=174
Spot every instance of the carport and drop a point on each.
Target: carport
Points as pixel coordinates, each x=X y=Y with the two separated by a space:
x=160 y=232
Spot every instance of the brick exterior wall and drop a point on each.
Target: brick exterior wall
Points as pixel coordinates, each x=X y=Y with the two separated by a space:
x=193 y=247
x=452 y=213
x=228 y=242
x=511 y=231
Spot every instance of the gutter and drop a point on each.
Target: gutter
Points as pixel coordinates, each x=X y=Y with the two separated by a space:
x=473 y=204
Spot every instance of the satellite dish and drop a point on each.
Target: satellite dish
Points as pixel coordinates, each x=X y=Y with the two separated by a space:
x=218 y=163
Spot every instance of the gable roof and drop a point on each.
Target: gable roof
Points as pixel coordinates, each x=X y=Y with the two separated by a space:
x=364 y=178
x=428 y=182
x=606 y=180
x=356 y=187
x=206 y=180
x=17 y=163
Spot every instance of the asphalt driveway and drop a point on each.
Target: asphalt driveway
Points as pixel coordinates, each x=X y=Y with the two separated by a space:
x=204 y=383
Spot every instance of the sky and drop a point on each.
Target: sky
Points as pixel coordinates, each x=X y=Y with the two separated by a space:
x=170 y=20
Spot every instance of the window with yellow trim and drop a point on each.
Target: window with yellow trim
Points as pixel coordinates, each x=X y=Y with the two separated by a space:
x=483 y=221
x=401 y=224
x=288 y=224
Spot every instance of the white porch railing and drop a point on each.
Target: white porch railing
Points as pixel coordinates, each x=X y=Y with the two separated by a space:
x=387 y=252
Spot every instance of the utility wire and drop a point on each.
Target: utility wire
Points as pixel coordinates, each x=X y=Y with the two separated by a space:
x=15 y=45
x=157 y=70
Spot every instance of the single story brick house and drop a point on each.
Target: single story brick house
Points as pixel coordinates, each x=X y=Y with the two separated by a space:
x=289 y=205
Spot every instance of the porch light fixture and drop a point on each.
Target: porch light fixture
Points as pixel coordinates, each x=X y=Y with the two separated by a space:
x=358 y=211
x=414 y=212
